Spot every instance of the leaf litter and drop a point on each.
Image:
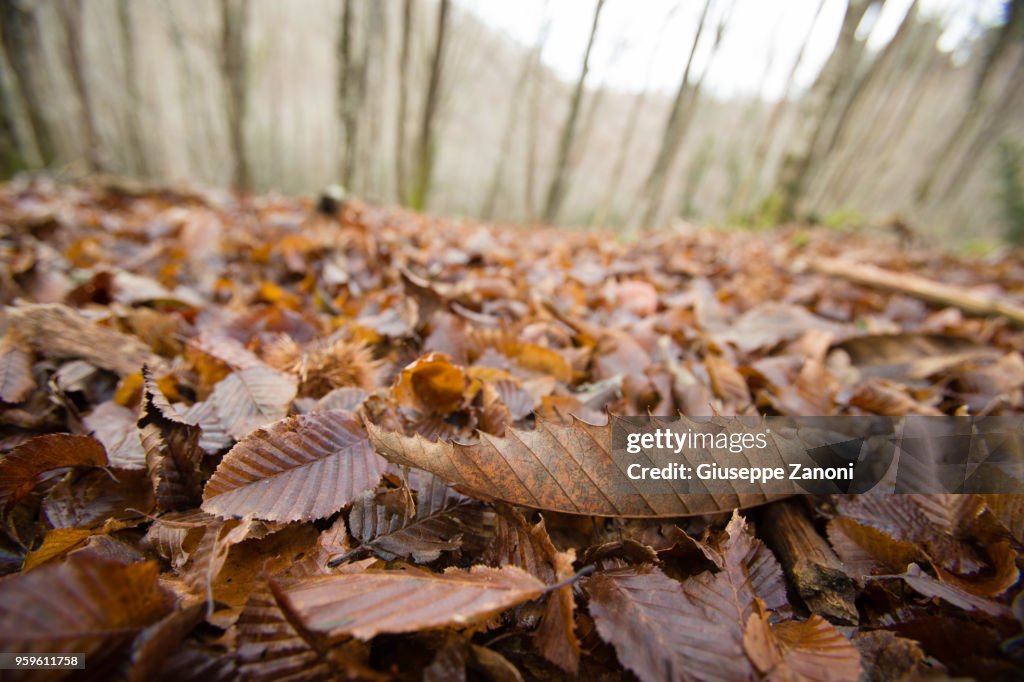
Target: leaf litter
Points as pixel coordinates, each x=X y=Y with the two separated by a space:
x=242 y=438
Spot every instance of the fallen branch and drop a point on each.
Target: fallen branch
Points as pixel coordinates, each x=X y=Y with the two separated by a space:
x=816 y=571
x=971 y=302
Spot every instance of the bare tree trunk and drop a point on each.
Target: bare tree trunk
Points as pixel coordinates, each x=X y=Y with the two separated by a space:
x=70 y=13
x=491 y=198
x=532 y=137
x=760 y=158
x=20 y=34
x=980 y=96
x=12 y=156
x=557 y=188
x=675 y=127
x=427 y=144
x=403 y=102
x=234 y=17
x=348 y=94
x=874 y=80
x=133 y=118
x=821 y=98
x=375 y=30
x=615 y=179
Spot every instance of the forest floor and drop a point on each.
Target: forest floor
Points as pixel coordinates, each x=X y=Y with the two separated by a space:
x=205 y=402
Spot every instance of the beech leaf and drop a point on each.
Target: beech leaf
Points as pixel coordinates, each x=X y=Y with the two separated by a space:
x=556 y=467
x=367 y=604
x=299 y=468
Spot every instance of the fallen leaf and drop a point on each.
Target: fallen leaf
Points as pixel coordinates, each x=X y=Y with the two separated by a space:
x=364 y=605
x=304 y=467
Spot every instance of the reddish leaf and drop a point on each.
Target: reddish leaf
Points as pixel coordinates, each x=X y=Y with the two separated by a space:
x=21 y=468
x=304 y=467
x=366 y=604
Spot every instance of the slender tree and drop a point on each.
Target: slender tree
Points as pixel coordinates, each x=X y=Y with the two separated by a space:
x=559 y=181
x=20 y=33
x=133 y=115
x=765 y=141
x=426 y=144
x=12 y=155
x=626 y=142
x=981 y=96
x=518 y=97
x=791 y=183
x=234 y=18
x=405 y=56
x=71 y=18
x=349 y=95
x=675 y=128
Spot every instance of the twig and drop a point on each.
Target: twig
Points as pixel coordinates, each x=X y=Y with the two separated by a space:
x=971 y=302
x=812 y=566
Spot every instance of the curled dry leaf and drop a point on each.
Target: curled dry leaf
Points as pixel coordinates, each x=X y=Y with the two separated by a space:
x=16 y=382
x=364 y=605
x=299 y=468
x=666 y=630
x=84 y=605
x=62 y=333
x=172 y=450
x=439 y=522
x=556 y=467
x=21 y=467
x=517 y=543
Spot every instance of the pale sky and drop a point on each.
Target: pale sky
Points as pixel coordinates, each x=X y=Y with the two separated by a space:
x=641 y=39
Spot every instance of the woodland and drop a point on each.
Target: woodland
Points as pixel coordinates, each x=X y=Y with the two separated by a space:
x=260 y=431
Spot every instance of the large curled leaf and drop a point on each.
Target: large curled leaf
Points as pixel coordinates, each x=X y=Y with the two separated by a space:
x=59 y=332
x=172 y=450
x=85 y=605
x=299 y=468
x=364 y=605
x=441 y=521
x=666 y=630
x=563 y=468
x=20 y=469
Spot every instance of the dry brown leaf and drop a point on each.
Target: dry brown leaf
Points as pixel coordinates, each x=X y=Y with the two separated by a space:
x=84 y=605
x=16 y=382
x=364 y=605
x=438 y=522
x=666 y=630
x=304 y=467
x=564 y=468
x=930 y=587
x=517 y=543
x=62 y=333
x=252 y=397
x=172 y=450
x=811 y=651
x=21 y=467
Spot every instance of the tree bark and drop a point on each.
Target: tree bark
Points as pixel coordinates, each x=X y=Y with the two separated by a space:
x=796 y=165
x=558 y=187
x=20 y=33
x=71 y=22
x=133 y=123
x=234 y=18
x=426 y=147
x=348 y=94
x=676 y=126
x=401 y=186
x=980 y=97
x=759 y=162
x=518 y=92
x=12 y=155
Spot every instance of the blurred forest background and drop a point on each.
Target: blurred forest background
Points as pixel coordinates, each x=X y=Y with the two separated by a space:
x=886 y=112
